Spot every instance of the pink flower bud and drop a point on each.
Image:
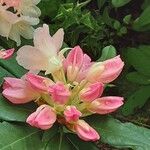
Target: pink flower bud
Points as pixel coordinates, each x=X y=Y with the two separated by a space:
x=44 y=117
x=72 y=114
x=6 y=54
x=38 y=82
x=73 y=63
x=59 y=93
x=91 y=92
x=95 y=72
x=86 y=132
x=106 y=105
x=113 y=68
x=18 y=91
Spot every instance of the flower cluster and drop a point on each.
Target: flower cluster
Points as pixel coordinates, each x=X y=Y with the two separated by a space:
x=17 y=18
x=71 y=90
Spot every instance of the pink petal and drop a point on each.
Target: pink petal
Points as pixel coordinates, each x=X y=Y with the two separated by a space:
x=39 y=82
x=58 y=38
x=6 y=54
x=44 y=42
x=106 y=105
x=31 y=58
x=92 y=92
x=74 y=58
x=113 y=68
x=86 y=132
x=18 y=96
x=72 y=114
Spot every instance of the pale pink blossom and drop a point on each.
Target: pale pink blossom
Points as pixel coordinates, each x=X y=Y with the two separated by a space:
x=44 y=117
x=105 y=105
x=18 y=91
x=38 y=82
x=6 y=54
x=59 y=93
x=45 y=53
x=71 y=114
x=85 y=131
x=91 y=92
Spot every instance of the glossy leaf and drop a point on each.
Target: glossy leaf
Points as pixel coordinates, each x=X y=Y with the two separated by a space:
x=18 y=137
x=107 y=53
x=11 y=112
x=121 y=135
x=136 y=100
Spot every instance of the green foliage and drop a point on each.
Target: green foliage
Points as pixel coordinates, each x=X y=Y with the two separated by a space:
x=139 y=59
x=121 y=135
x=17 y=137
x=120 y=3
x=107 y=53
x=143 y=22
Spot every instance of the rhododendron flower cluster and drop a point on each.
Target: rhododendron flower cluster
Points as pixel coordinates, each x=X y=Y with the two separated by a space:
x=18 y=21
x=72 y=89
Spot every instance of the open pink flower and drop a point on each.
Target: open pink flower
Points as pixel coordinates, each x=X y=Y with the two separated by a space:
x=6 y=54
x=91 y=92
x=18 y=91
x=38 y=82
x=71 y=114
x=86 y=132
x=44 y=117
x=59 y=93
x=45 y=54
x=105 y=105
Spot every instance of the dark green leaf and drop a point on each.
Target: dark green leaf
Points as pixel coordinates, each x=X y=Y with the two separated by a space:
x=136 y=100
x=139 y=58
x=10 y=112
x=143 y=22
x=138 y=78
x=12 y=66
x=127 y=19
x=121 y=135
x=4 y=73
x=17 y=137
x=120 y=3
x=79 y=144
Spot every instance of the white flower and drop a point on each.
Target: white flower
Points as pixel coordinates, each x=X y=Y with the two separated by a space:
x=45 y=54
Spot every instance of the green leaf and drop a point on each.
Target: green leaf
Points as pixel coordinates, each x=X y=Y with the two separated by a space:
x=100 y=3
x=136 y=100
x=117 y=25
x=143 y=22
x=58 y=142
x=127 y=19
x=79 y=144
x=138 y=78
x=119 y=3
x=107 y=53
x=121 y=135
x=11 y=112
x=17 y=137
x=123 y=30
x=139 y=59
x=13 y=67
x=4 y=73
x=49 y=7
